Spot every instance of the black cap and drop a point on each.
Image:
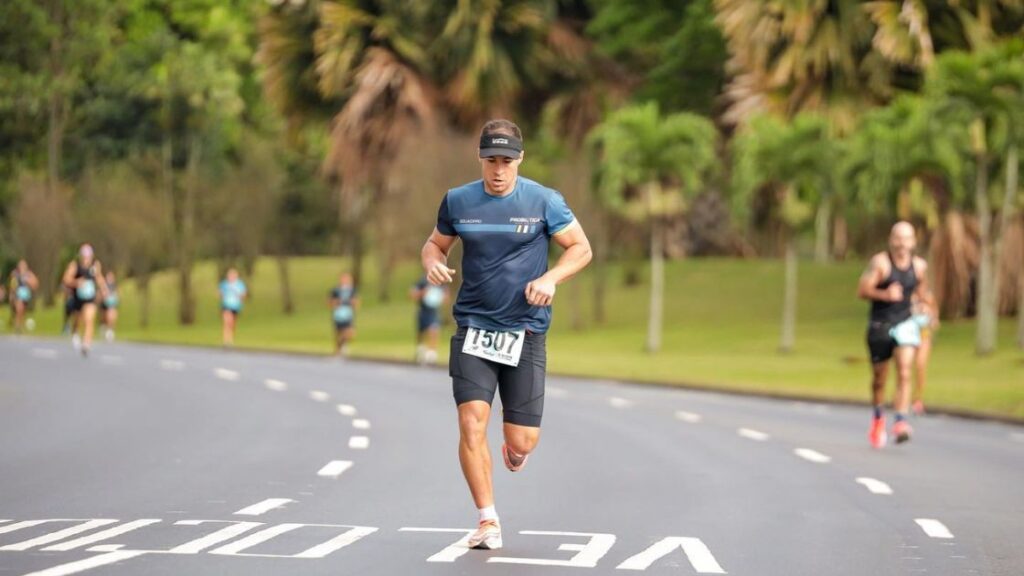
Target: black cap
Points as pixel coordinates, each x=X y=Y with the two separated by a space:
x=500 y=145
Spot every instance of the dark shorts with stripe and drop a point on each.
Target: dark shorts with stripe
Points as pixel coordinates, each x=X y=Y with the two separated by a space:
x=521 y=387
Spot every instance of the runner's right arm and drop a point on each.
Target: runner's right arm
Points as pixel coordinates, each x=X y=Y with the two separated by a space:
x=434 y=258
x=869 y=280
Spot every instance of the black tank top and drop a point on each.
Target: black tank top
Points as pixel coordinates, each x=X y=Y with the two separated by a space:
x=895 y=312
x=85 y=271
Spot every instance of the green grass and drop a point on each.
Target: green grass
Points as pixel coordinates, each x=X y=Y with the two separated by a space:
x=721 y=330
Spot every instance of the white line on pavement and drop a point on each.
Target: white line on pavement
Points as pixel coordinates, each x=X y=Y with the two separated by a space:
x=44 y=353
x=688 y=416
x=875 y=486
x=346 y=410
x=359 y=442
x=696 y=551
x=111 y=360
x=319 y=396
x=361 y=424
x=225 y=374
x=263 y=507
x=812 y=455
x=334 y=468
x=933 y=528
x=88 y=563
x=451 y=552
x=172 y=365
x=617 y=402
x=101 y=536
x=275 y=385
x=752 y=434
x=58 y=535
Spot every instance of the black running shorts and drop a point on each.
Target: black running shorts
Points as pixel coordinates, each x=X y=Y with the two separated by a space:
x=881 y=344
x=521 y=387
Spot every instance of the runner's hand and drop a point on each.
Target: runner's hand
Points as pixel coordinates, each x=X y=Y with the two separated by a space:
x=894 y=292
x=439 y=274
x=540 y=292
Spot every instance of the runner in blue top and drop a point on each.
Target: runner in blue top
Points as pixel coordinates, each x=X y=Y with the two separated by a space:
x=503 y=309
x=232 y=295
x=23 y=285
x=429 y=299
x=344 y=302
x=108 y=308
x=85 y=282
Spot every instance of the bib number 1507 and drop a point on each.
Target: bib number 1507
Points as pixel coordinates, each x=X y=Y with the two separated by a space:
x=502 y=347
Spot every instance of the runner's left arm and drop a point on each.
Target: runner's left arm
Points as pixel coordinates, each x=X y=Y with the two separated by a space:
x=577 y=255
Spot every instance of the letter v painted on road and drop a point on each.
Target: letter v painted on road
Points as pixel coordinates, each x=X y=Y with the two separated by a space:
x=696 y=552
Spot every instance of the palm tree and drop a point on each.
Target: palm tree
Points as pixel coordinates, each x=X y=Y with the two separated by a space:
x=649 y=164
x=793 y=162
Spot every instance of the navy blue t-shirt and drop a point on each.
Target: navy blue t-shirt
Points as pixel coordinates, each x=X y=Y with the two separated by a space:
x=505 y=241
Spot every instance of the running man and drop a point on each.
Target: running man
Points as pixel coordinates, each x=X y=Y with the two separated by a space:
x=233 y=294
x=926 y=315
x=429 y=299
x=343 y=300
x=108 y=308
x=890 y=282
x=23 y=284
x=85 y=283
x=503 y=309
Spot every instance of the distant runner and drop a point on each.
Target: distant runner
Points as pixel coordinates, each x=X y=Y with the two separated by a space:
x=343 y=300
x=890 y=282
x=926 y=314
x=503 y=309
x=23 y=285
x=233 y=294
x=108 y=308
x=429 y=299
x=84 y=280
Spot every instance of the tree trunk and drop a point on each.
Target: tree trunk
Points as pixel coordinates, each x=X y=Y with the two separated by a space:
x=601 y=257
x=287 y=304
x=657 y=286
x=985 y=338
x=822 y=232
x=789 y=297
x=187 y=303
x=1005 y=221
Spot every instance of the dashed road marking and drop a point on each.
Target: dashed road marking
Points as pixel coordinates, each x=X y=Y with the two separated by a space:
x=275 y=385
x=346 y=410
x=359 y=442
x=334 y=468
x=172 y=365
x=264 y=506
x=101 y=536
x=319 y=396
x=361 y=424
x=616 y=402
x=933 y=528
x=44 y=353
x=875 y=486
x=111 y=360
x=225 y=374
x=751 y=434
x=689 y=417
x=812 y=455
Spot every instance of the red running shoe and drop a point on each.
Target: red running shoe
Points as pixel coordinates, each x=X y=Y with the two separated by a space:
x=876 y=434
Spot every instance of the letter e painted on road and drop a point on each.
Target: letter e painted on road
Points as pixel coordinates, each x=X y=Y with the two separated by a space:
x=587 y=555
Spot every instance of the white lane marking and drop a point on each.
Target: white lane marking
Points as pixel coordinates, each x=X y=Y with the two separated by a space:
x=88 y=563
x=263 y=507
x=350 y=536
x=101 y=536
x=587 y=555
x=812 y=455
x=361 y=424
x=275 y=385
x=453 y=551
x=875 y=486
x=334 y=468
x=359 y=442
x=319 y=396
x=44 y=353
x=224 y=534
x=346 y=410
x=696 y=551
x=111 y=360
x=1017 y=436
x=751 y=434
x=555 y=392
x=225 y=374
x=688 y=416
x=172 y=365
x=616 y=402
x=933 y=528
x=106 y=548
x=52 y=537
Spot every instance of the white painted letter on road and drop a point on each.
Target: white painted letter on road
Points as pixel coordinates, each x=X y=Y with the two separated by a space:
x=696 y=552
x=587 y=555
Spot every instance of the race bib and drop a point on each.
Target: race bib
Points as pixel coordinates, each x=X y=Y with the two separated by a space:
x=86 y=290
x=501 y=347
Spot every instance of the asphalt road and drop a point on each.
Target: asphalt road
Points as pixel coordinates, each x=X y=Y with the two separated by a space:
x=163 y=460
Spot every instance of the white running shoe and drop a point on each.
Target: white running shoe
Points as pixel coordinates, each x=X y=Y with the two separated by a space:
x=76 y=342
x=109 y=335
x=486 y=537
